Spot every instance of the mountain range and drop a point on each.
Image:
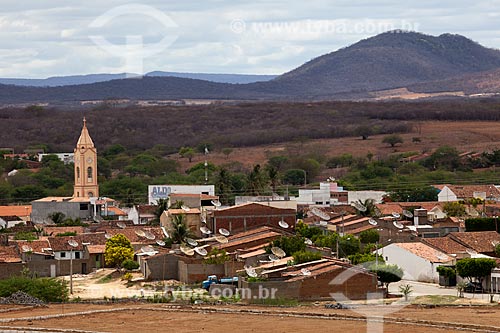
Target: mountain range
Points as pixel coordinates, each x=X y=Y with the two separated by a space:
x=393 y=60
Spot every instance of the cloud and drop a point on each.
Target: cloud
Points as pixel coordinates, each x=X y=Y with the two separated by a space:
x=41 y=38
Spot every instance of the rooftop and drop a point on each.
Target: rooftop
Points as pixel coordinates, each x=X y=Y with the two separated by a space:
x=23 y=210
x=9 y=254
x=481 y=241
x=425 y=251
x=445 y=244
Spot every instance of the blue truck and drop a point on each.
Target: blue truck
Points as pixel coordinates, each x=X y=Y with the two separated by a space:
x=212 y=279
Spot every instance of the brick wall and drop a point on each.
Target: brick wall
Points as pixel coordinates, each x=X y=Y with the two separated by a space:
x=161 y=267
x=196 y=273
x=10 y=269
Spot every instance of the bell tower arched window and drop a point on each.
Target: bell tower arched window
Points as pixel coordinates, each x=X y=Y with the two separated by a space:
x=78 y=172
x=89 y=174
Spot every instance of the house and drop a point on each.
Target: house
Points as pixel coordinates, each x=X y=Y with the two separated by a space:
x=21 y=211
x=317 y=197
x=10 y=261
x=137 y=235
x=142 y=214
x=449 y=246
x=482 y=242
x=193 y=200
x=87 y=256
x=39 y=257
x=66 y=158
x=270 y=200
x=325 y=279
x=10 y=221
x=55 y=230
x=247 y=216
x=419 y=261
x=463 y=192
x=192 y=218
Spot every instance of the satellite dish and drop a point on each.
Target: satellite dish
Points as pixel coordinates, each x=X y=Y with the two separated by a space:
x=273 y=257
x=395 y=215
x=205 y=230
x=203 y=219
x=72 y=243
x=147 y=249
x=191 y=241
x=26 y=248
x=278 y=252
x=107 y=236
x=319 y=213
x=38 y=227
x=149 y=235
x=407 y=213
x=372 y=222
x=216 y=203
x=221 y=239
x=398 y=224
x=283 y=224
x=186 y=250
x=471 y=252
x=165 y=232
x=441 y=256
x=224 y=232
x=359 y=206
x=251 y=271
x=160 y=242
x=121 y=225
x=305 y=272
x=185 y=208
x=330 y=179
x=307 y=241
x=140 y=233
x=201 y=251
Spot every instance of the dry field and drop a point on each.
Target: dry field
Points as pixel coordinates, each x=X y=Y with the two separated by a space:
x=167 y=318
x=465 y=136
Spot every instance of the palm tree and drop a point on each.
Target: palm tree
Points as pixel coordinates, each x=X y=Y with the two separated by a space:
x=180 y=229
x=371 y=208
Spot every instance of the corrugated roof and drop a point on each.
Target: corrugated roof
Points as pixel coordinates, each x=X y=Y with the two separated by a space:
x=116 y=211
x=96 y=249
x=425 y=251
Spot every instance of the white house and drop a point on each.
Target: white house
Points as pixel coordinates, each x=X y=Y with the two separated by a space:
x=462 y=192
x=10 y=221
x=418 y=261
x=316 y=197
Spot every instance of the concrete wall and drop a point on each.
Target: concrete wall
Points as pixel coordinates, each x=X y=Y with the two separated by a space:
x=160 y=267
x=196 y=273
x=10 y=269
x=42 y=210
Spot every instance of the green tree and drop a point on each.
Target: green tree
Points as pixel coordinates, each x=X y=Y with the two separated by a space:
x=118 y=249
x=415 y=193
x=57 y=217
x=364 y=131
x=454 y=209
x=256 y=181
x=446 y=158
x=294 y=177
x=187 y=152
x=161 y=206
x=387 y=274
x=369 y=236
x=392 y=139
x=227 y=152
x=289 y=244
x=301 y=257
x=179 y=229
x=475 y=268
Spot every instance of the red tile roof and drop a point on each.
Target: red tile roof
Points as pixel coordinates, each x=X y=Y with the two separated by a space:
x=470 y=191
x=129 y=232
x=22 y=211
x=425 y=251
x=445 y=244
x=38 y=246
x=61 y=243
x=54 y=231
x=9 y=254
x=481 y=241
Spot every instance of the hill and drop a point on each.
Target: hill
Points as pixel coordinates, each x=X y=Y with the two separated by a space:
x=390 y=60
x=57 y=81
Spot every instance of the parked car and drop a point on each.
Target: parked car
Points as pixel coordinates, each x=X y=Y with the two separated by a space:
x=473 y=287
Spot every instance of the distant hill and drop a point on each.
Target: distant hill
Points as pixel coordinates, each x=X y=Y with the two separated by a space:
x=95 y=78
x=390 y=60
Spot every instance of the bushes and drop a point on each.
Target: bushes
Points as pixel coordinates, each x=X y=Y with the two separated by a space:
x=301 y=257
x=45 y=289
x=130 y=264
x=481 y=224
x=447 y=272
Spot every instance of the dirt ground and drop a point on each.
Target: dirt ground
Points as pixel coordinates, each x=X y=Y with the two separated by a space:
x=164 y=318
x=465 y=136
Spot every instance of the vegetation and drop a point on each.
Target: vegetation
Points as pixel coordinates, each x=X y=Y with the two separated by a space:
x=301 y=257
x=45 y=289
x=406 y=290
x=369 y=236
x=130 y=264
x=476 y=268
x=387 y=274
x=179 y=230
x=25 y=235
x=447 y=272
x=365 y=259
x=481 y=224
x=216 y=256
x=393 y=139
x=290 y=244
x=118 y=250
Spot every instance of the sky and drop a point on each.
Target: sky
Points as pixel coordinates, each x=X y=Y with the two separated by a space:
x=42 y=38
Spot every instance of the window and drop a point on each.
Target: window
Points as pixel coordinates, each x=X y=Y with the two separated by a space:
x=84 y=206
x=89 y=174
x=63 y=254
x=77 y=255
x=78 y=172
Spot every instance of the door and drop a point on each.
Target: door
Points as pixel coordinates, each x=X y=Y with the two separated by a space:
x=53 y=270
x=84 y=268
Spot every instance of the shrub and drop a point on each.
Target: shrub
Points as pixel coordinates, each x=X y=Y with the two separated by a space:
x=301 y=257
x=25 y=235
x=130 y=264
x=447 y=272
x=45 y=289
x=127 y=276
x=69 y=233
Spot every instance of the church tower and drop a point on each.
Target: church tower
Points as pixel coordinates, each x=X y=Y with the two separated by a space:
x=85 y=166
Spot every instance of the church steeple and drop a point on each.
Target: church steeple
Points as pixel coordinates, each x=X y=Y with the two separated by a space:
x=85 y=166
